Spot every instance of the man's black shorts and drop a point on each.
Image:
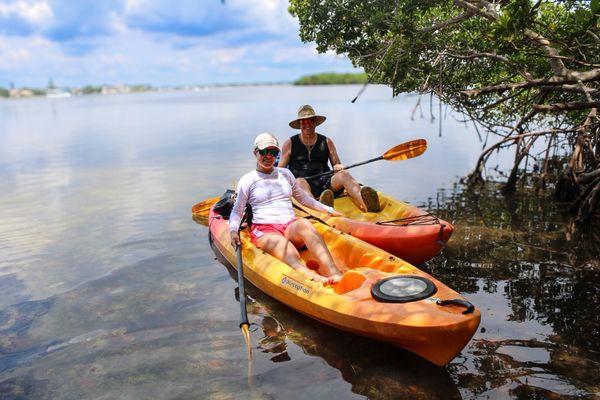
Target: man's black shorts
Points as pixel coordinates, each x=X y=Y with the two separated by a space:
x=318 y=185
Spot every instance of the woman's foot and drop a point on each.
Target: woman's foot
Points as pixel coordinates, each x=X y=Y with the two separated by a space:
x=327 y=280
x=335 y=278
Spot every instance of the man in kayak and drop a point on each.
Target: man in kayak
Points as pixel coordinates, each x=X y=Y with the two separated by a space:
x=308 y=153
x=275 y=228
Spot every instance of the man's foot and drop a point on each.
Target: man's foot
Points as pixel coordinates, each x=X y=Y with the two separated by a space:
x=327 y=197
x=371 y=199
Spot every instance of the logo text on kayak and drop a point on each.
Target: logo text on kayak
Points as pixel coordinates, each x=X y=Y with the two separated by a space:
x=292 y=283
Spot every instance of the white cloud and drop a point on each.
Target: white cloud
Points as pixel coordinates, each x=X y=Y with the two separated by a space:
x=184 y=64
x=14 y=58
x=164 y=46
x=227 y=56
x=36 y=13
x=295 y=53
x=134 y=5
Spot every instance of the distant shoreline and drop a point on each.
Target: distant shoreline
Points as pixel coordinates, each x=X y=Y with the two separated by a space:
x=65 y=92
x=333 y=78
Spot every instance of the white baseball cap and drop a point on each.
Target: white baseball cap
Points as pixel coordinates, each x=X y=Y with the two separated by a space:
x=265 y=140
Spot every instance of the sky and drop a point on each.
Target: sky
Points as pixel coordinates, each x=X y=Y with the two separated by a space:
x=157 y=42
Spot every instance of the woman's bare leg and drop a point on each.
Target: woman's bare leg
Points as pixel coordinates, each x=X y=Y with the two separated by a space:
x=282 y=249
x=303 y=232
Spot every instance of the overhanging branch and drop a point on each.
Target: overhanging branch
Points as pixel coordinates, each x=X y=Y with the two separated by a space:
x=587 y=76
x=558 y=107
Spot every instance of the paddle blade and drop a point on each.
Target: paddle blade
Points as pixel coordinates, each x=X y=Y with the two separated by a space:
x=201 y=210
x=200 y=219
x=407 y=150
x=205 y=205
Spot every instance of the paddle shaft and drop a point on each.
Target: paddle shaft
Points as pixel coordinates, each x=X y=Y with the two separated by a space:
x=242 y=293
x=240 y=279
x=326 y=173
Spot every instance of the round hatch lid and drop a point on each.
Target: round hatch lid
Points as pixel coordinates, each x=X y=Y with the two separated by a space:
x=402 y=289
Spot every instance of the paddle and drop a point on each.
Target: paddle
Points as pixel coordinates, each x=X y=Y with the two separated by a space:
x=204 y=206
x=200 y=211
x=403 y=151
x=244 y=324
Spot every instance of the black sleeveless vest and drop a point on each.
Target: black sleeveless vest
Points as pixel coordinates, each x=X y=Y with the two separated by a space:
x=299 y=163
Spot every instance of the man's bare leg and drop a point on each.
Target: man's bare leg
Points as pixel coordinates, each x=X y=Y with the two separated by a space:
x=343 y=179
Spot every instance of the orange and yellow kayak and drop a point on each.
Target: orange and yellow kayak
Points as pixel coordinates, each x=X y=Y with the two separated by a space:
x=399 y=228
x=436 y=325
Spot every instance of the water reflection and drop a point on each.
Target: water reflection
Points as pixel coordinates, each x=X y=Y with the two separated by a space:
x=147 y=331
x=108 y=290
x=536 y=287
x=375 y=370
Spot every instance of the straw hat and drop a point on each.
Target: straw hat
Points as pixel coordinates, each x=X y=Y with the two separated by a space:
x=305 y=112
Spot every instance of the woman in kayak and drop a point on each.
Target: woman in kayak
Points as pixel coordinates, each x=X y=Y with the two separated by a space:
x=275 y=228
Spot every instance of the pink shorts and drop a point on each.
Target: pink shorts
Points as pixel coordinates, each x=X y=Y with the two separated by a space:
x=259 y=230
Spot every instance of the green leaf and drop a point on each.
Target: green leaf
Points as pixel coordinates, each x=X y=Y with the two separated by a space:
x=595 y=6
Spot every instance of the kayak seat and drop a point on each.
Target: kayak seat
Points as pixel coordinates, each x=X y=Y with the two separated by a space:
x=350 y=281
x=359 y=278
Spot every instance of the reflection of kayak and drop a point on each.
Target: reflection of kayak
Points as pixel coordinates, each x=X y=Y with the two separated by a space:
x=365 y=364
x=399 y=228
x=434 y=331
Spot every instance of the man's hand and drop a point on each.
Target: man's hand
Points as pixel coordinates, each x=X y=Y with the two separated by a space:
x=235 y=239
x=338 y=167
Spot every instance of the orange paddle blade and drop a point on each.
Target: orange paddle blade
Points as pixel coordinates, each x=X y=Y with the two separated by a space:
x=204 y=206
x=407 y=150
x=201 y=210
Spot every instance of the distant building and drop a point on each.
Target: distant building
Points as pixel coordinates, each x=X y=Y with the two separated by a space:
x=21 y=93
x=115 y=89
x=57 y=93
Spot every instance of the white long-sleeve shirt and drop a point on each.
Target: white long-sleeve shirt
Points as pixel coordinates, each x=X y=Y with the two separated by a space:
x=270 y=196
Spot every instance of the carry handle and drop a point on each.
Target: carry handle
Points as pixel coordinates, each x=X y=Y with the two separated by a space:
x=458 y=302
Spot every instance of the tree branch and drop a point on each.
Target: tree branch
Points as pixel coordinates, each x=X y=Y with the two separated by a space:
x=584 y=179
x=558 y=107
x=487 y=10
x=587 y=76
x=568 y=88
x=445 y=24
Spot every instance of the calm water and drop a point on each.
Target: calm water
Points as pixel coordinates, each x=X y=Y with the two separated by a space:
x=109 y=290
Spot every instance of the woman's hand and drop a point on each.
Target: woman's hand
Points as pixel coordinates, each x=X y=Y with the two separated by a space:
x=235 y=239
x=338 y=167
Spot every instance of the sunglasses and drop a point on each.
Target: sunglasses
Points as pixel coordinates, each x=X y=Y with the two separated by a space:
x=272 y=152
